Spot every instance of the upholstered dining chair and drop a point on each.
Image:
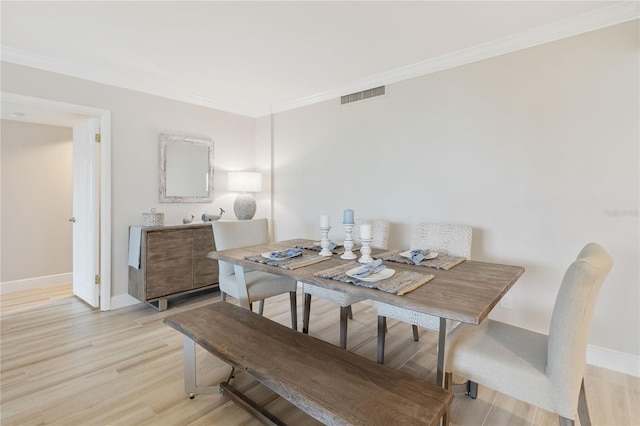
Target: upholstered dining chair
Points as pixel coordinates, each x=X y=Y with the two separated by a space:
x=545 y=371
x=451 y=239
x=250 y=286
x=380 y=236
x=379 y=232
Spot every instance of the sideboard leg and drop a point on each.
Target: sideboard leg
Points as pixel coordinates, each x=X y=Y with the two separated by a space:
x=163 y=304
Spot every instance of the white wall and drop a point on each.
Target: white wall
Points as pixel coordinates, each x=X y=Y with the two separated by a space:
x=36 y=200
x=535 y=150
x=137 y=120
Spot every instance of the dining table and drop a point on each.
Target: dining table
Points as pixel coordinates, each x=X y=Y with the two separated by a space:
x=466 y=292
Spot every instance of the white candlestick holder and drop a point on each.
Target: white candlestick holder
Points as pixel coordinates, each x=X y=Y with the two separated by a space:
x=365 y=251
x=348 y=242
x=324 y=242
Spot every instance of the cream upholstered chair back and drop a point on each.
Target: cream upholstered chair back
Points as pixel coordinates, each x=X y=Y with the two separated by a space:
x=571 y=319
x=452 y=239
x=379 y=232
x=543 y=370
x=234 y=234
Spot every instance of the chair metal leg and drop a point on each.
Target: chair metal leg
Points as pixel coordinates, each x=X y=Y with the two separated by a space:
x=223 y=296
x=563 y=421
x=416 y=337
x=382 y=329
x=305 y=313
x=472 y=389
x=294 y=309
x=344 y=320
x=261 y=307
x=350 y=312
x=442 y=340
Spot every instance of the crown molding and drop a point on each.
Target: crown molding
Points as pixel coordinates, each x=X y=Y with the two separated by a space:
x=608 y=16
x=17 y=56
x=591 y=21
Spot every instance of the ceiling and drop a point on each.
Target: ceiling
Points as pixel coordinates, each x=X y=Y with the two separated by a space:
x=253 y=58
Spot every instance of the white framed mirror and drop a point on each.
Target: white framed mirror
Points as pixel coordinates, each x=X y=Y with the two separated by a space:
x=186 y=169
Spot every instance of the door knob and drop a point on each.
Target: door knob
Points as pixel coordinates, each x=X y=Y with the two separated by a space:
x=73 y=219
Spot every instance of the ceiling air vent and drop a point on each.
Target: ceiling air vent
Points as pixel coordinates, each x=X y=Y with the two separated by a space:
x=365 y=94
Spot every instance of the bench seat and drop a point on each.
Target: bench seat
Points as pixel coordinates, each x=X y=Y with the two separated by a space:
x=330 y=384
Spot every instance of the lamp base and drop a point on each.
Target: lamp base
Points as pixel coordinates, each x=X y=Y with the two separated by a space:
x=245 y=206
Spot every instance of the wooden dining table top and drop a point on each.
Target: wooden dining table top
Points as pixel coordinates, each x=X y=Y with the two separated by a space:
x=466 y=293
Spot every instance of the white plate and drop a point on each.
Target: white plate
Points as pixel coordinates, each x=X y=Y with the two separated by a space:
x=266 y=256
x=384 y=274
x=430 y=255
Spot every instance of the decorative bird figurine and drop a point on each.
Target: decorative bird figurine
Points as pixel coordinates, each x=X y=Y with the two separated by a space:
x=187 y=219
x=210 y=217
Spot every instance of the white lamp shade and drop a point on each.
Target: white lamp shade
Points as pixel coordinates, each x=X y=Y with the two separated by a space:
x=245 y=182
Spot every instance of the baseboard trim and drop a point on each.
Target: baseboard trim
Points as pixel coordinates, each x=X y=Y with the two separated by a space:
x=35 y=283
x=613 y=360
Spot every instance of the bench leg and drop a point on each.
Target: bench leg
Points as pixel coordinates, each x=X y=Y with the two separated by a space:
x=249 y=405
x=231 y=375
x=192 y=388
x=305 y=313
x=190 y=383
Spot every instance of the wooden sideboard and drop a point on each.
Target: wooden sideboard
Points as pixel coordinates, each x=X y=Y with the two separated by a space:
x=173 y=261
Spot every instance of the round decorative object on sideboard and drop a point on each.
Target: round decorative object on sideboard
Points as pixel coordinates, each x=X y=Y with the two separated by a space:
x=245 y=206
x=244 y=182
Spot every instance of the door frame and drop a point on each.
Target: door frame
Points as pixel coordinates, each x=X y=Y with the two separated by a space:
x=105 y=179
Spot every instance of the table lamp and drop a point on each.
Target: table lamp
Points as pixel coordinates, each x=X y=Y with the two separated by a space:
x=245 y=182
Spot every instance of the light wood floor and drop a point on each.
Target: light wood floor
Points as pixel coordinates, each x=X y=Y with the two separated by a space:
x=63 y=363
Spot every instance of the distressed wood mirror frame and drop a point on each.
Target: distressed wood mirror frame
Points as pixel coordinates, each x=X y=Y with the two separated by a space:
x=186 y=169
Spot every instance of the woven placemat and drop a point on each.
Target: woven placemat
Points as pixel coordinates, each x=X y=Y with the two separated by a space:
x=293 y=263
x=315 y=247
x=442 y=261
x=402 y=282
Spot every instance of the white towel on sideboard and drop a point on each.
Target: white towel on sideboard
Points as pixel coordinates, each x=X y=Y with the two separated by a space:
x=135 y=234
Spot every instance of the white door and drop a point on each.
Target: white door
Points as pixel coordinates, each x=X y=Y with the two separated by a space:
x=86 y=220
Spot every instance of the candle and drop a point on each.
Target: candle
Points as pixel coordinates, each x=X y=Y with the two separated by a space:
x=365 y=231
x=347 y=217
x=324 y=221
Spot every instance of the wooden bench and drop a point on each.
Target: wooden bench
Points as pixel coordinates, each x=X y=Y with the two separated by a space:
x=330 y=384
